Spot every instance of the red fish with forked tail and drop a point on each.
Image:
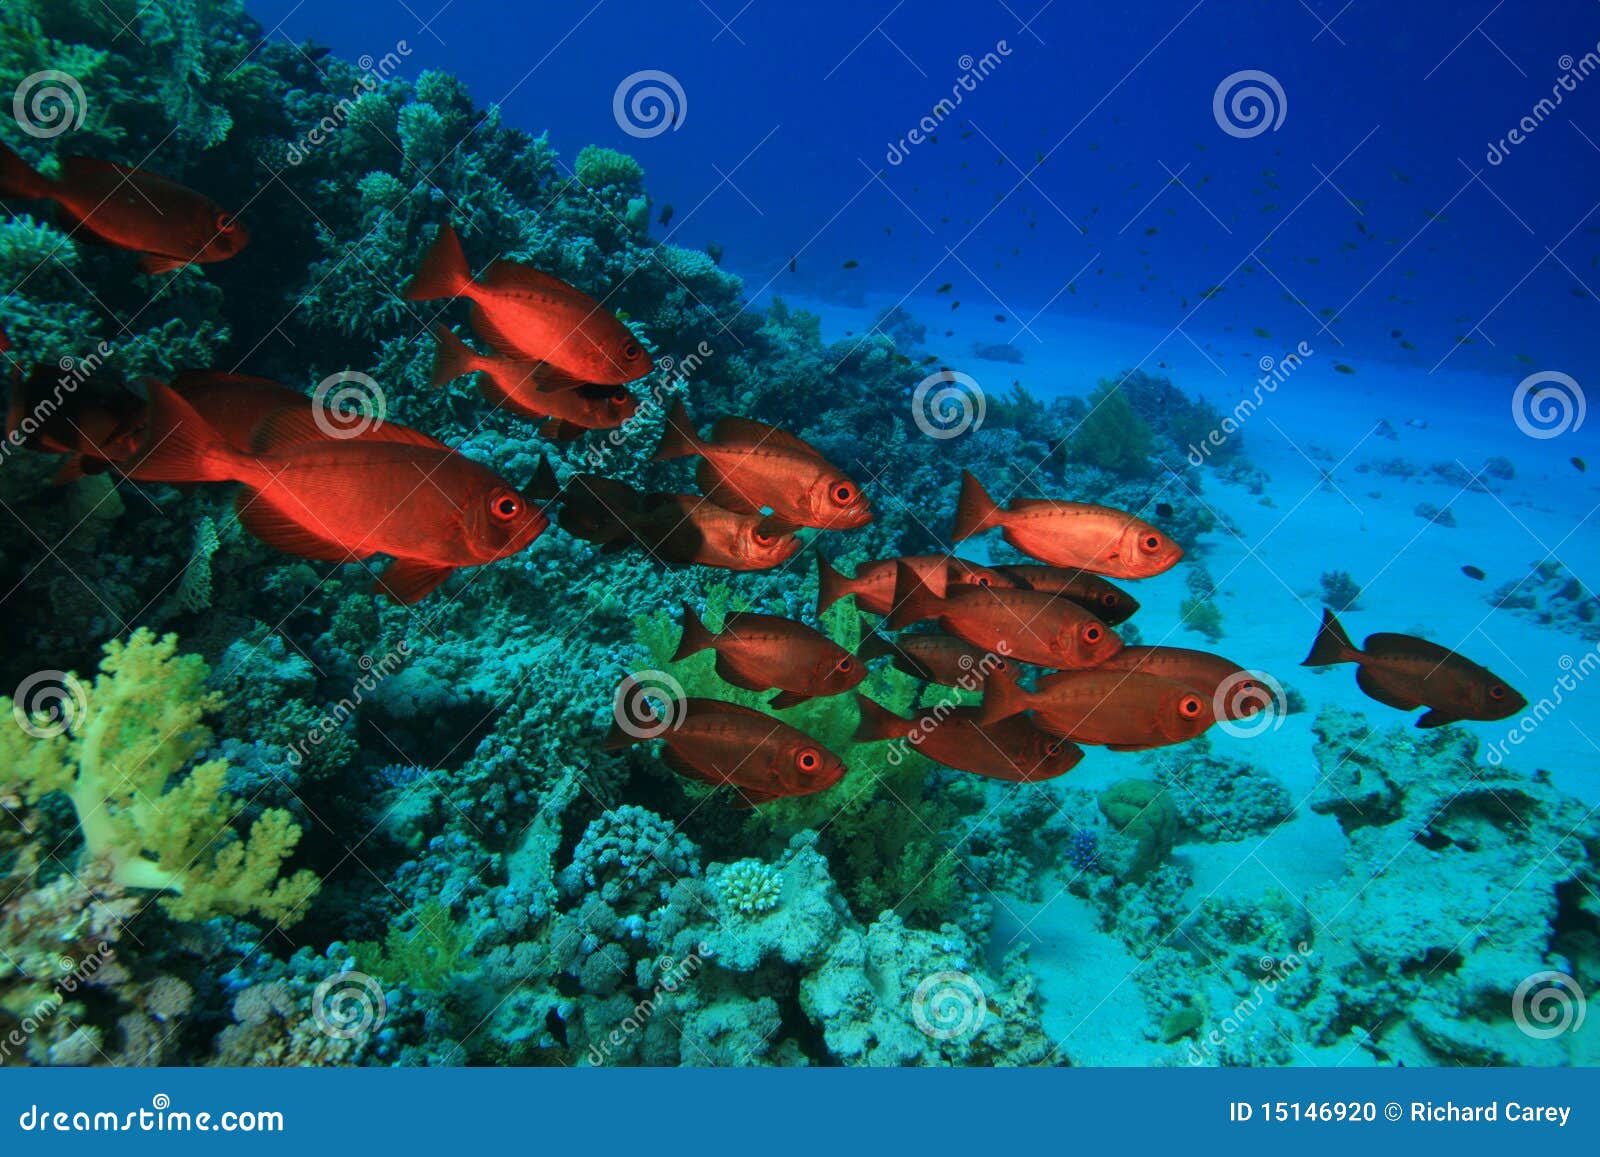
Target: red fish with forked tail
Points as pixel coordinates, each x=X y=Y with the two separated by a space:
x=1012 y=749
x=747 y=467
x=389 y=490
x=1076 y=535
x=725 y=745
x=170 y=225
x=759 y=652
x=525 y=314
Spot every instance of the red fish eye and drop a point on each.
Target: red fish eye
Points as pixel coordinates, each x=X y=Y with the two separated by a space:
x=1152 y=542
x=505 y=507
x=843 y=493
x=809 y=760
x=1190 y=707
x=1497 y=692
x=1092 y=633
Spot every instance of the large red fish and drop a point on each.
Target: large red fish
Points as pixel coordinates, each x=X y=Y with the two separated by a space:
x=1076 y=535
x=1406 y=672
x=937 y=658
x=1122 y=710
x=389 y=490
x=170 y=225
x=1229 y=689
x=873 y=584
x=725 y=745
x=519 y=385
x=1029 y=626
x=760 y=652
x=526 y=314
x=1110 y=603
x=1013 y=749
x=748 y=466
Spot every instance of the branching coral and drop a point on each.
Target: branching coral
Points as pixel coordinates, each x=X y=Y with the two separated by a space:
x=122 y=767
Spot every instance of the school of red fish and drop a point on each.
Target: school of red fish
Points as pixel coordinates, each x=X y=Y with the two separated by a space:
x=316 y=488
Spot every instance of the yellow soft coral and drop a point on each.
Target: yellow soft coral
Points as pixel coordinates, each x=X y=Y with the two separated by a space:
x=120 y=765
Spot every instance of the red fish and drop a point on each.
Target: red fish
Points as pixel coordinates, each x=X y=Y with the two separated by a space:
x=1228 y=687
x=1110 y=603
x=1076 y=535
x=873 y=584
x=1028 y=626
x=760 y=652
x=167 y=223
x=520 y=385
x=1406 y=672
x=936 y=658
x=748 y=466
x=1122 y=710
x=388 y=490
x=725 y=745
x=525 y=314
x=1013 y=749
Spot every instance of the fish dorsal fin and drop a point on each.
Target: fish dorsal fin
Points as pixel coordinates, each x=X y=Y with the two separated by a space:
x=408 y=580
x=297 y=426
x=275 y=528
x=736 y=429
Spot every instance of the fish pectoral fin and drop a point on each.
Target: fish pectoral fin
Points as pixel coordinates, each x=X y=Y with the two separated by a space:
x=786 y=699
x=1374 y=689
x=281 y=532
x=1437 y=718
x=408 y=580
x=154 y=264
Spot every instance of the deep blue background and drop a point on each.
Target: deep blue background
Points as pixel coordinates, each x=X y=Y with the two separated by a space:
x=796 y=104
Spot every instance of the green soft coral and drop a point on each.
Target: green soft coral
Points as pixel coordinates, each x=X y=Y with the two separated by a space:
x=122 y=767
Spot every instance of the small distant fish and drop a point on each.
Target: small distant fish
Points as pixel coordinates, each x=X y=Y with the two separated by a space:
x=666 y=215
x=168 y=224
x=851 y=264
x=726 y=745
x=1580 y=465
x=761 y=652
x=1473 y=573
x=1406 y=672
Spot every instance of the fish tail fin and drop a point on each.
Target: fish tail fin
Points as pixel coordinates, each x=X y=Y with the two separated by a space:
x=178 y=445
x=976 y=512
x=678 y=438
x=878 y=722
x=1002 y=698
x=453 y=358
x=20 y=179
x=913 y=601
x=1332 y=645
x=443 y=272
x=831 y=585
x=695 y=636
